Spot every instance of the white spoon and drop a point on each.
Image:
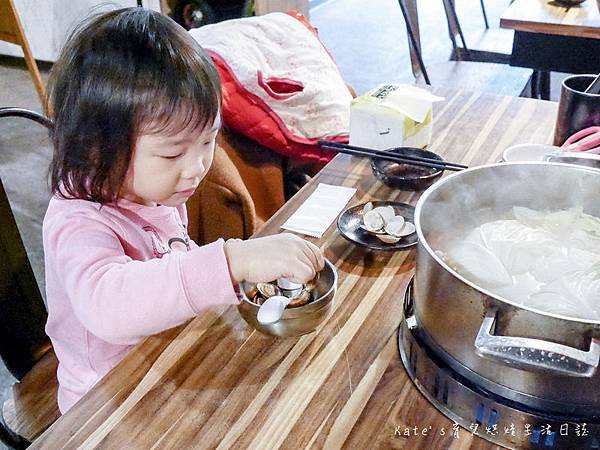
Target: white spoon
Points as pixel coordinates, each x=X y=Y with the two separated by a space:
x=272 y=309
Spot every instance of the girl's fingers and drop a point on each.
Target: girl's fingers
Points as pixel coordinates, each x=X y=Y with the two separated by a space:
x=302 y=272
x=306 y=259
x=319 y=255
x=315 y=255
x=309 y=255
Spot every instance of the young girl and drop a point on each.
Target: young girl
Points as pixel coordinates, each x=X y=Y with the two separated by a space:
x=136 y=107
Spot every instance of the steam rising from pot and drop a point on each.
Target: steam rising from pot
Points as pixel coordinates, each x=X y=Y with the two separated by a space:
x=465 y=201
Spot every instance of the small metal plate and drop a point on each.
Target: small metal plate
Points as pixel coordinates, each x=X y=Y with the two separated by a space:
x=350 y=220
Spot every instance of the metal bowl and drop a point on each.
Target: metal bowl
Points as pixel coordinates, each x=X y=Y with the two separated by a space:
x=578 y=158
x=295 y=321
x=405 y=176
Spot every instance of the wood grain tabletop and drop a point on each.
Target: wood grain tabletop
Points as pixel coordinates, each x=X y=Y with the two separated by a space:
x=214 y=382
x=549 y=17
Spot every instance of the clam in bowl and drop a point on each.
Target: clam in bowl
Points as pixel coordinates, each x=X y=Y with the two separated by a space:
x=297 y=320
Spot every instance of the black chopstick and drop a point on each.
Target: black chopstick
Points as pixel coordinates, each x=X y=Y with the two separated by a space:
x=390 y=156
x=389 y=152
x=395 y=159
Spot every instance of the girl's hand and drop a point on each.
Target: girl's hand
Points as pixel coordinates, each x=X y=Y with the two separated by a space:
x=269 y=258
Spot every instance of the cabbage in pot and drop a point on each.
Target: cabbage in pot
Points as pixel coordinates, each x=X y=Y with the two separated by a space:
x=546 y=260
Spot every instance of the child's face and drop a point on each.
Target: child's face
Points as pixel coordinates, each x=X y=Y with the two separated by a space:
x=165 y=169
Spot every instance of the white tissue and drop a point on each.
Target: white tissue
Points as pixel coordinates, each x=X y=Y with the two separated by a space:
x=319 y=210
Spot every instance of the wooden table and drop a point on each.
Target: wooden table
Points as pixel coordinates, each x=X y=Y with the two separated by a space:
x=214 y=382
x=541 y=16
x=553 y=38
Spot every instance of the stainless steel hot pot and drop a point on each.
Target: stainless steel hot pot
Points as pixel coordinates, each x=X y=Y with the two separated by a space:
x=537 y=359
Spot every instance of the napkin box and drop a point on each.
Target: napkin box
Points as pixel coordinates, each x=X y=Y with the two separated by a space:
x=392 y=115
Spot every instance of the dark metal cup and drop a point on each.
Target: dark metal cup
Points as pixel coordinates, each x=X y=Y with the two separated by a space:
x=576 y=109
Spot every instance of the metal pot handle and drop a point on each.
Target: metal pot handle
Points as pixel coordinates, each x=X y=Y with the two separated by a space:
x=536 y=354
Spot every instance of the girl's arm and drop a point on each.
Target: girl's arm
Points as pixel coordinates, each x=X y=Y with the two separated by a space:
x=121 y=300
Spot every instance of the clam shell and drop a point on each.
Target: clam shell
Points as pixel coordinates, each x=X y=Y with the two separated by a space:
x=380 y=231
x=252 y=293
x=291 y=293
x=388 y=239
x=386 y=212
x=368 y=207
x=268 y=289
x=394 y=227
x=312 y=284
x=373 y=221
x=300 y=299
x=408 y=229
x=284 y=283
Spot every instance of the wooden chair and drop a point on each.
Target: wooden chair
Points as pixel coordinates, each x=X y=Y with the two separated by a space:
x=11 y=31
x=24 y=346
x=485 y=20
x=500 y=79
x=491 y=45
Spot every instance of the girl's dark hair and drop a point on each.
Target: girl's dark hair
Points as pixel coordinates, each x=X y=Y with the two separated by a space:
x=120 y=74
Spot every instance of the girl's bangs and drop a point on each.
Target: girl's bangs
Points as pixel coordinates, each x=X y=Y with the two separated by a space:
x=186 y=95
x=169 y=115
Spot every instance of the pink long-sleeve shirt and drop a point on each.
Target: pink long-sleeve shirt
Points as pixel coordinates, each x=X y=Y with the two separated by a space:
x=115 y=274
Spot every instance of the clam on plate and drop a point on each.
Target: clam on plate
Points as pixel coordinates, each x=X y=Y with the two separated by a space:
x=350 y=221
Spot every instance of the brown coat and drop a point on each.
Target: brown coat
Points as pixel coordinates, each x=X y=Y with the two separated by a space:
x=243 y=189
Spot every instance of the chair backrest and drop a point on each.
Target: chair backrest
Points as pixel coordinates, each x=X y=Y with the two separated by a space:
x=460 y=51
x=411 y=17
x=455 y=30
x=411 y=20
x=23 y=315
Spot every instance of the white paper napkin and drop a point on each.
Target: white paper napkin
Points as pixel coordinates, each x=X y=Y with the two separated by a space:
x=319 y=210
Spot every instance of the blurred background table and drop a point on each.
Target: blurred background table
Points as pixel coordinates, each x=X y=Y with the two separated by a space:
x=550 y=37
x=214 y=382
